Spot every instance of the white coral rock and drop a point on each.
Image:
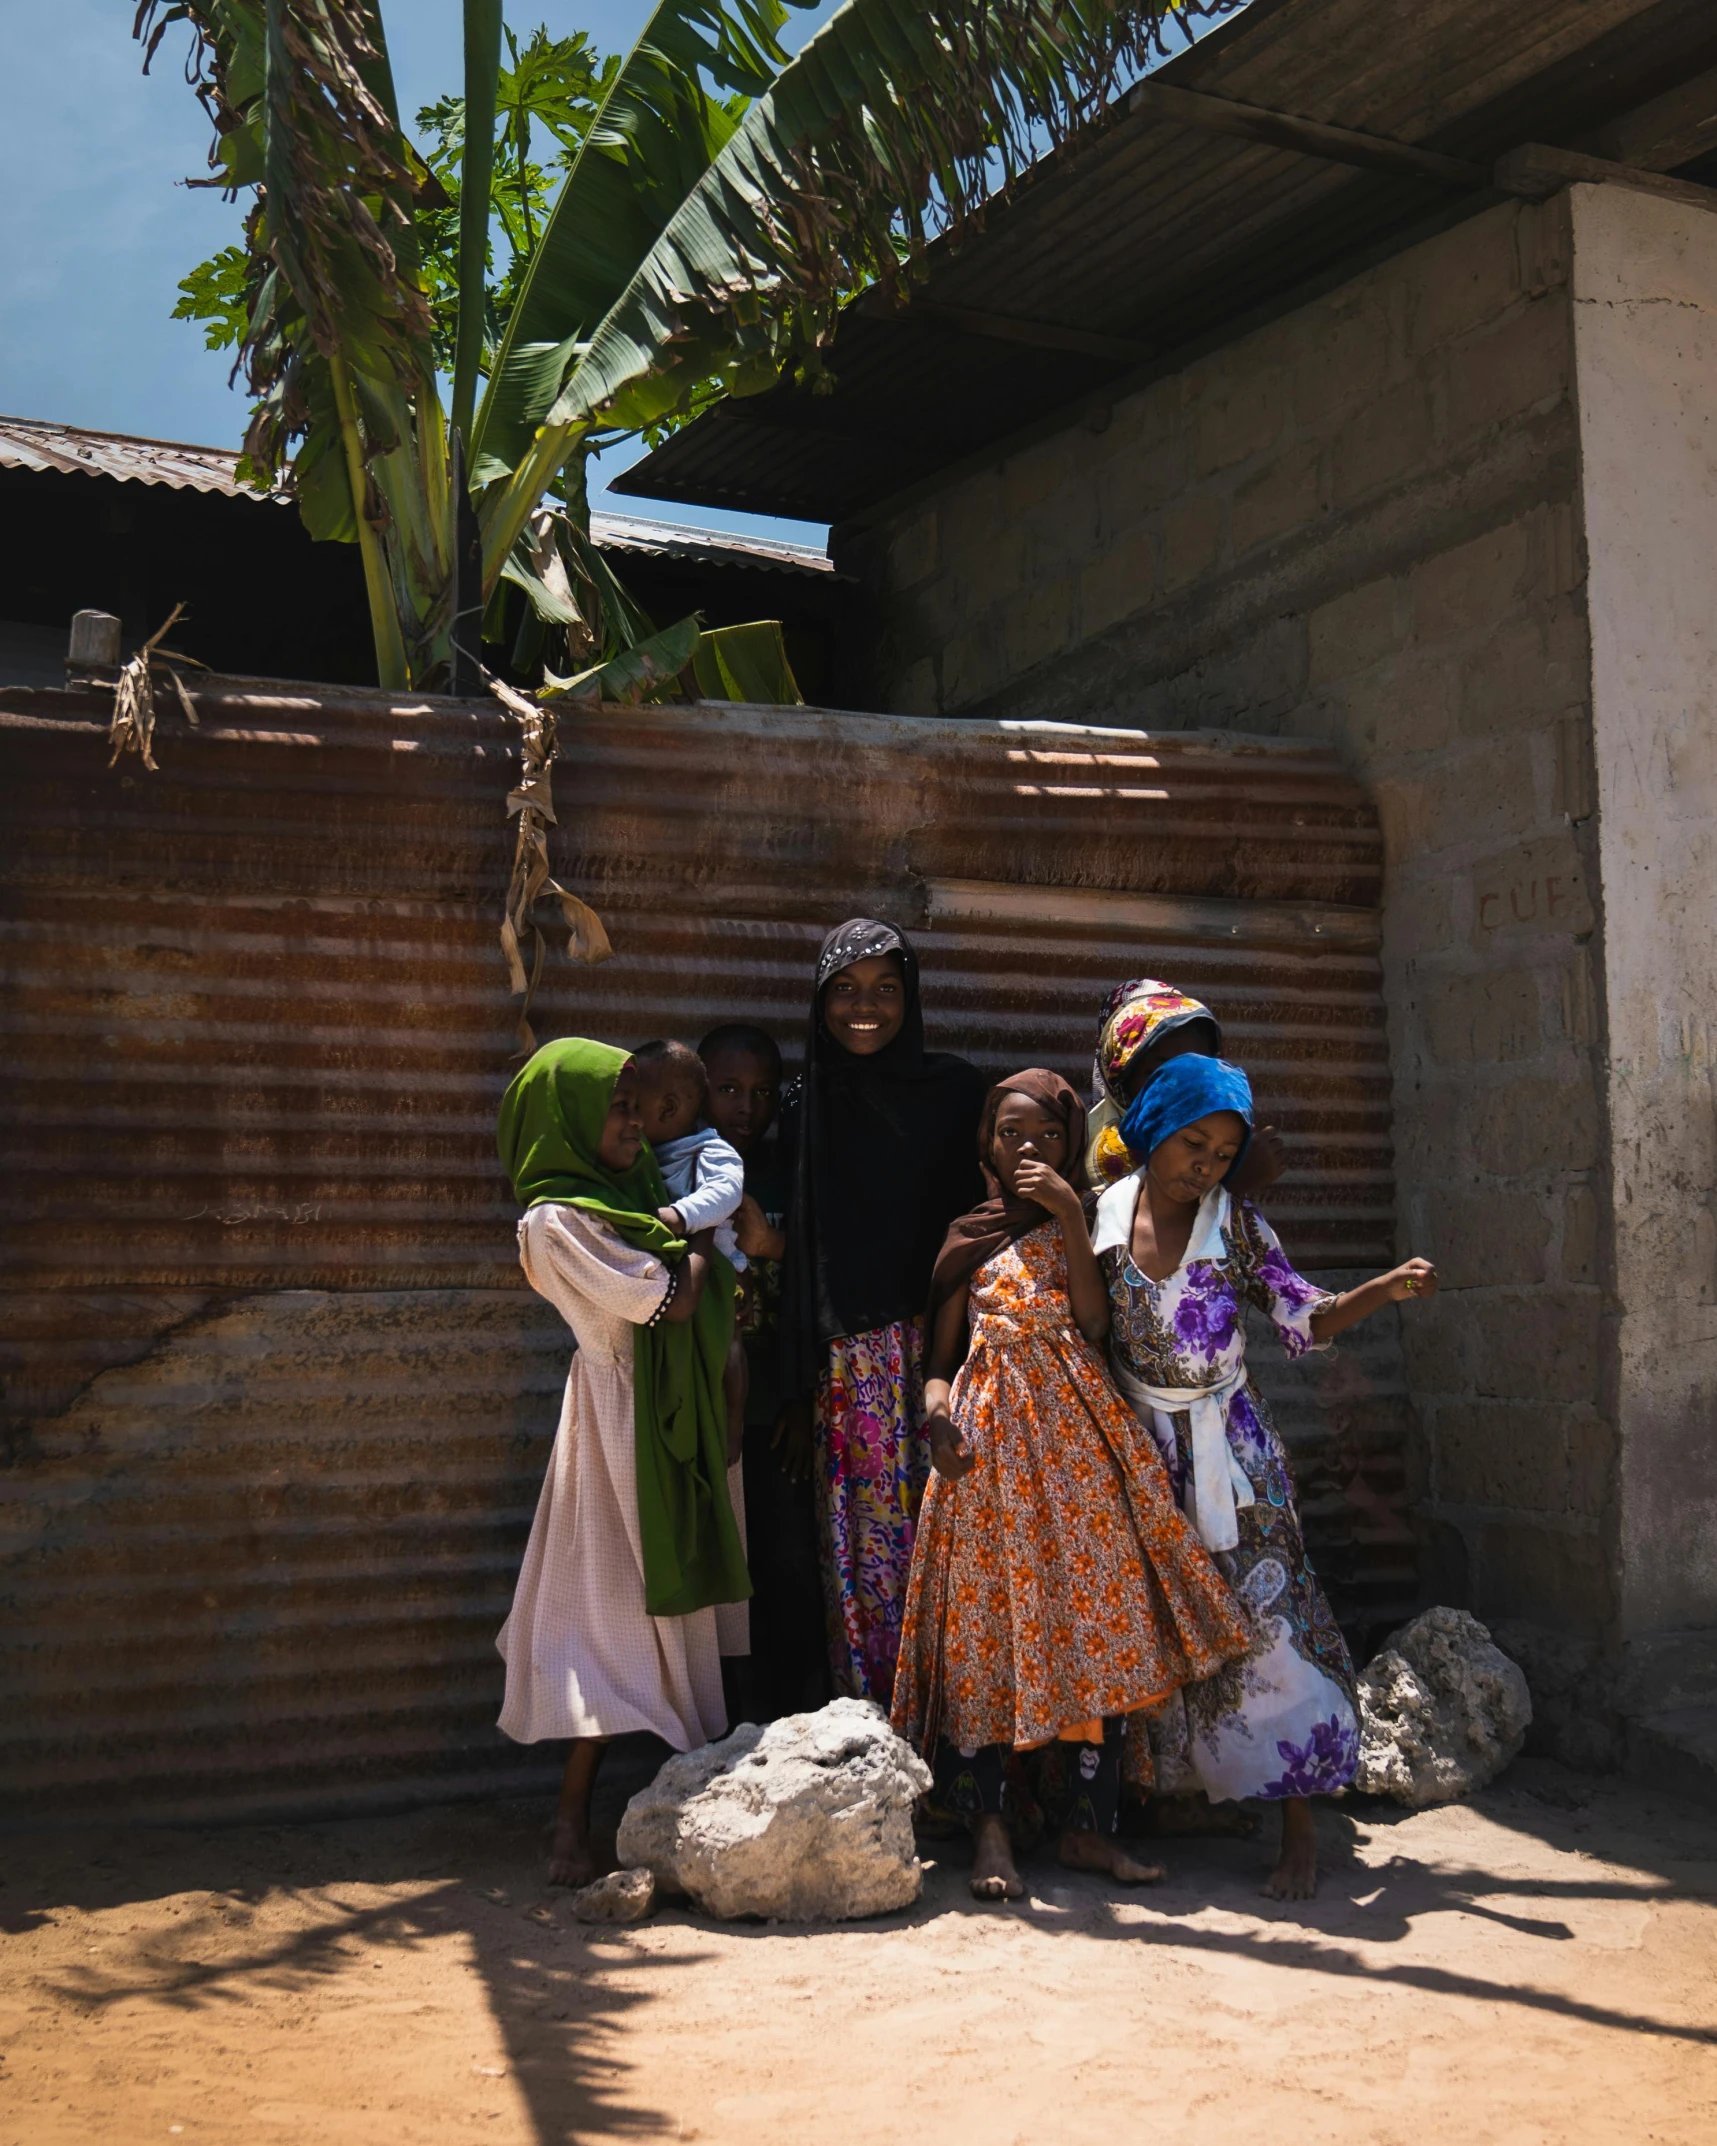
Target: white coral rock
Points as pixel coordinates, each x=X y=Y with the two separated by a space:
x=809 y=1818
x=1442 y=1711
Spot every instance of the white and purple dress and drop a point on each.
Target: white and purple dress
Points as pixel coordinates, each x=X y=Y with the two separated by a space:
x=1281 y=1721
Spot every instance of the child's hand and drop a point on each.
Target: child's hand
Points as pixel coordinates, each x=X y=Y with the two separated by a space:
x=1263 y=1162
x=670 y=1217
x=950 y=1455
x=792 y=1441
x=753 y=1234
x=1417 y=1279
x=1037 y=1181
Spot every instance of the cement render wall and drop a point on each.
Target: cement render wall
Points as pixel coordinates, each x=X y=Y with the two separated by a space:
x=1645 y=315
x=1362 y=522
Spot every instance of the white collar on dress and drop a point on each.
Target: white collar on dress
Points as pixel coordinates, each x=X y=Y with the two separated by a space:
x=1118 y=1206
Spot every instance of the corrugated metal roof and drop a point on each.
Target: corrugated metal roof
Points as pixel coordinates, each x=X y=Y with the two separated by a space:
x=29 y=443
x=278 y=1401
x=1148 y=231
x=674 y=540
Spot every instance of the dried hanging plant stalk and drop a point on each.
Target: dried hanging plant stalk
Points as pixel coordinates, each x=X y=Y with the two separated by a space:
x=132 y=729
x=533 y=801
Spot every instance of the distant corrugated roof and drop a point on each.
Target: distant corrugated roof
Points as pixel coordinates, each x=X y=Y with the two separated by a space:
x=673 y=540
x=29 y=443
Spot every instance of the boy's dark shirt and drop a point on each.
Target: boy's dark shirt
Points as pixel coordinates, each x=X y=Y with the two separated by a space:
x=766 y=1182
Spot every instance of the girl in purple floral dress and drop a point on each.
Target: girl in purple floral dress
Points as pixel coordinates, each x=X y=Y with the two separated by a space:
x=1182 y=1259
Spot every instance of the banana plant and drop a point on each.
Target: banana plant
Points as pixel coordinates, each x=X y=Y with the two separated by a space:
x=722 y=204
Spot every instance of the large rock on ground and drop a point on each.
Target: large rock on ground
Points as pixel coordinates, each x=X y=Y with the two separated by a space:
x=809 y=1818
x=1442 y=1710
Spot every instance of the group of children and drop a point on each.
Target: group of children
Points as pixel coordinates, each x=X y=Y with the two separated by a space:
x=939 y=1399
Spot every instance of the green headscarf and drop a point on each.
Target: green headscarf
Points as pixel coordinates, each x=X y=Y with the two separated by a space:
x=550 y=1127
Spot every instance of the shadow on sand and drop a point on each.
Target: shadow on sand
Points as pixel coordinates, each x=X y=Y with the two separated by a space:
x=477 y=1870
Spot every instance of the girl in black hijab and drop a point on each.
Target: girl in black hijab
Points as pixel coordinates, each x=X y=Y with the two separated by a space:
x=882 y=1137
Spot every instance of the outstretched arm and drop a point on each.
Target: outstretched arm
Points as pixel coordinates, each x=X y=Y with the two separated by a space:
x=1417 y=1278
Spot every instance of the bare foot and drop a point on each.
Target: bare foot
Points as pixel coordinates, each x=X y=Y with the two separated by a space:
x=1194 y=1813
x=1096 y=1851
x=570 y=1860
x=993 y=1874
x=1295 y=1876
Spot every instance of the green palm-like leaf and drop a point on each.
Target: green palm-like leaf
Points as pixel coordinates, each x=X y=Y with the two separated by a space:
x=636 y=673
x=895 y=115
x=746 y=663
x=651 y=141
x=897 y=118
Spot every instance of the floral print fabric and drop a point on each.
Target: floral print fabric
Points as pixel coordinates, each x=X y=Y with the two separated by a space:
x=872 y=1459
x=1135 y=1015
x=1282 y=1722
x=1056 y=1583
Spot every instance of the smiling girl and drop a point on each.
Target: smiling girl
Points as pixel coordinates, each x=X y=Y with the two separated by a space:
x=1183 y=1258
x=613 y=1624
x=1055 y=1587
x=880 y=1137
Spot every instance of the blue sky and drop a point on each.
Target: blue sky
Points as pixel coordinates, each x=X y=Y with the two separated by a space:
x=98 y=231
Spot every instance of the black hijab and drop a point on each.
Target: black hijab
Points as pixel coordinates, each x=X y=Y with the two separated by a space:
x=883 y=1161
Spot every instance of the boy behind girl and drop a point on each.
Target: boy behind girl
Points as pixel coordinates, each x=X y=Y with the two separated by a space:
x=789 y=1656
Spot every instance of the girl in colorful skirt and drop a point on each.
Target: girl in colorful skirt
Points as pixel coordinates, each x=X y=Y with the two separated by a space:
x=879 y=1137
x=1182 y=1258
x=1055 y=1587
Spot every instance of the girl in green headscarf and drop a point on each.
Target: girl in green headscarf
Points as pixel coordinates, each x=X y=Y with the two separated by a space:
x=613 y=1622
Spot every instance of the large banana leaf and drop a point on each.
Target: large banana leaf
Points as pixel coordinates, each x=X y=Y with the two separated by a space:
x=746 y=663
x=635 y=673
x=896 y=114
x=897 y=119
x=652 y=140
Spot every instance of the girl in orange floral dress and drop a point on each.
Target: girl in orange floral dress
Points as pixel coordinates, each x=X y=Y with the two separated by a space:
x=1055 y=1587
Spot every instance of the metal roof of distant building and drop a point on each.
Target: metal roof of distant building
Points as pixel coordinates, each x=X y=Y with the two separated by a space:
x=1162 y=228
x=31 y=443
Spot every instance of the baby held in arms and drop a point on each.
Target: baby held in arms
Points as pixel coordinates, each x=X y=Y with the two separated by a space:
x=705 y=1178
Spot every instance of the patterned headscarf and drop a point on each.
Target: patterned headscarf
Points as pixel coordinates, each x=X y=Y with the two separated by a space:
x=1135 y=1015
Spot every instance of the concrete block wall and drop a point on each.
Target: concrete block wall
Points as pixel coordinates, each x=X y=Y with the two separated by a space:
x=1362 y=522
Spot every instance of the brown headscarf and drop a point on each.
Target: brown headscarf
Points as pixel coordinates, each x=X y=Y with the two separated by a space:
x=1003 y=1218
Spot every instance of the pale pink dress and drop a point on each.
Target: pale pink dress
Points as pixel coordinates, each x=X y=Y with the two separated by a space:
x=584 y=1657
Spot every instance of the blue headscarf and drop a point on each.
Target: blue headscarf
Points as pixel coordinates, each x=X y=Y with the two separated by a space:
x=1185 y=1090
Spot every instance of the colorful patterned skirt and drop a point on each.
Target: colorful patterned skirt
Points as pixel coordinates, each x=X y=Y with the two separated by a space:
x=872 y=1460
x=1285 y=1721
x=1056 y=1585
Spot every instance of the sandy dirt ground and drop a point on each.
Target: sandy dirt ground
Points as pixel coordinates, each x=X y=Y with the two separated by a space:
x=1538 y=1966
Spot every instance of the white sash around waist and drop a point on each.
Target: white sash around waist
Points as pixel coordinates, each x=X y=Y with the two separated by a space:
x=1216 y=1483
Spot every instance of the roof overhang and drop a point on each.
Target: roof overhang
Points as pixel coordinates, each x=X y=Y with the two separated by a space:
x=1280 y=155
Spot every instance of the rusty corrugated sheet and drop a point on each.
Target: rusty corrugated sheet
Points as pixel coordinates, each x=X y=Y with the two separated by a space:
x=279 y=1404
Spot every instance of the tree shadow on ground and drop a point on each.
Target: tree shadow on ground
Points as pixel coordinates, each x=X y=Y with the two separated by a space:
x=1651 y=1850
x=476 y=1871
x=472 y=1870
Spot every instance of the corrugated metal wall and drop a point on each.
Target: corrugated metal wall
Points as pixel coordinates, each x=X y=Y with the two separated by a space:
x=277 y=1403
